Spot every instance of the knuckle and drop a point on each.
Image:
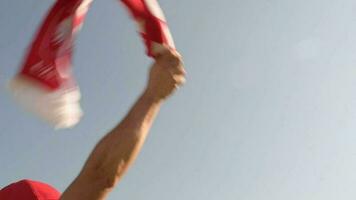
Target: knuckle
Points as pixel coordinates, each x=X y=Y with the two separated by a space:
x=174 y=59
x=179 y=79
x=182 y=70
x=183 y=81
x=179 y=55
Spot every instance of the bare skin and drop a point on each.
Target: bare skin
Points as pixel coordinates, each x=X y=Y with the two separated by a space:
x=117 y=150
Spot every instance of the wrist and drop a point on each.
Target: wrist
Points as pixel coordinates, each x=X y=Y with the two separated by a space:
x=151 y=96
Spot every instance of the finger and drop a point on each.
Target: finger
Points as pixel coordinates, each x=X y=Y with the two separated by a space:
x=179 y=70
x=166 y=53
x=168 y=61
x=173 y=60
x=163 y=53
x=179 y=80
x=177 y=54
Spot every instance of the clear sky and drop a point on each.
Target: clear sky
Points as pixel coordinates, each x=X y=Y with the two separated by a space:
x=268 y=111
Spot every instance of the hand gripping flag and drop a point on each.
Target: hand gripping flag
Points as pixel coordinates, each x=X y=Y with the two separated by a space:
x=45 y=84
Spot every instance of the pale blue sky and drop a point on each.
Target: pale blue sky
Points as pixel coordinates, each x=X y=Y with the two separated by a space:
x=268 y=111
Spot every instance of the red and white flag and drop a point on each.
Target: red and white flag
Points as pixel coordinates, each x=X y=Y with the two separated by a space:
x=152 y=25
x=45 y=84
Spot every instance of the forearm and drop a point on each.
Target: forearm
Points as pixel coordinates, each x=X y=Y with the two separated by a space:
x=117 y=150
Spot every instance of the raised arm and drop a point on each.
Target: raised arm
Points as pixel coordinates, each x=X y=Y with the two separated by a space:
x=114 y=154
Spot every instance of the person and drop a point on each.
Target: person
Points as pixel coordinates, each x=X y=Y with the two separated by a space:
x=117 y=150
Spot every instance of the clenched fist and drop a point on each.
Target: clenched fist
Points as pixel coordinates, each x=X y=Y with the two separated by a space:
x=166 y=75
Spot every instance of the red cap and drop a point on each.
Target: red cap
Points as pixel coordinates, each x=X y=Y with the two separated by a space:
x=29 y=190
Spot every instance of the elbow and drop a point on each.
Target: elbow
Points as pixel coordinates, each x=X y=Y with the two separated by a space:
x=109 y=161
x=107 y=175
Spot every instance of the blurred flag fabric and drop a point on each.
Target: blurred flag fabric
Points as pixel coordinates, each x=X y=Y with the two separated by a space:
x=45 y=84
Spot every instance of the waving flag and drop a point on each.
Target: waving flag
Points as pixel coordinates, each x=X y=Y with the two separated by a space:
x=45 y=84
